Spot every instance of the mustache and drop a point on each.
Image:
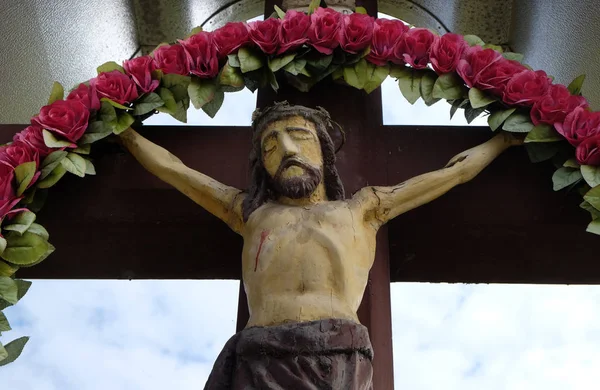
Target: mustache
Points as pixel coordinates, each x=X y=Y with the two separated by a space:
x=293 y=161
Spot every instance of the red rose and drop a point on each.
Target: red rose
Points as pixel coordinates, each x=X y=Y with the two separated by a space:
x=265 y=34
x=553 y=107
x=386 y=34
x=8 y=197
x=201 y=55
x=230 y=37
x=292 y=31
x=475 y=60
x=33 y=137
x=140 y=70
x=171 y=59
x=526 y=88
x=324 y=33
x=588 y=152
x=357 y=32
x=86 y=95
x=413 y=48
x=115 y=86
x=18 y=153
x=446 y=51
x=68 y=118
x=579 y=125
x=495 y=77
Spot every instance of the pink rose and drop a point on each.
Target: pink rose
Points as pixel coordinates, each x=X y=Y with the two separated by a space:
x=18 y=153
x=33 y=137
x=553 y=107
x=475 y=60
x=495 y=77
x=230 y=37
x=171 y=59
x=115 y=86
x=446 y=51
x=324 y=33
x=265 y=34
x=579 y=125
x=413 y=48
x=8 y=197
x=86 y=95
x=386 y=34
x=357 y=32
x=293 y=30
x=68 y=118
x=588 y=152
x=140 y=70
x=201 y=55
x=526 y=88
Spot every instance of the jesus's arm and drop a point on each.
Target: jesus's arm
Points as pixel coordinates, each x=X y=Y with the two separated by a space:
x=218 y=199
x=381 y=204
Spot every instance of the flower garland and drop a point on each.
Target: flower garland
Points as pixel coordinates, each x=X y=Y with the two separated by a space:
x=303 y=48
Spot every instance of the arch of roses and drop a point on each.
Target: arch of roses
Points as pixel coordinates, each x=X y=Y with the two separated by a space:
x=304 y=48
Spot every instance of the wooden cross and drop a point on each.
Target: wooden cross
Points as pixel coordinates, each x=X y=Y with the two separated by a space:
x=505 y=226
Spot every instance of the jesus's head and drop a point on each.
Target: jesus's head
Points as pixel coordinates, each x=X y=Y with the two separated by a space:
x=292 y=155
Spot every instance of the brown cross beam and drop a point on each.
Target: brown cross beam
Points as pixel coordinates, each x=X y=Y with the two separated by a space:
x=506 y=226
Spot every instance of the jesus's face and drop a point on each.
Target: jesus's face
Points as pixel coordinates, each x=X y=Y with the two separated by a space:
x=292 y=156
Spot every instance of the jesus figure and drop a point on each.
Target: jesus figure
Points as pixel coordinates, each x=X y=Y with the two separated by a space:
x=307 y=248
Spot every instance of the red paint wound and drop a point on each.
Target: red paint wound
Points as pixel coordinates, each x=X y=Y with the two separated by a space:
x=263 y=237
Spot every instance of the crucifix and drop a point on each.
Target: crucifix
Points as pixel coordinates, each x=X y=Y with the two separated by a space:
x=168 y=238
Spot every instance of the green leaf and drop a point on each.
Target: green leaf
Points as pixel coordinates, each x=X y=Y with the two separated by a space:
x=231 y=77
x=175 y=80
x=211 y=108
x=543 y=133
x=52 y=142
x=279 y=62
x=319 y=65
x=201 y=91
x=564 y=177
x=376 y=75
x=5 y=268
x=115 y=104
x=53 y=177
x=493 y=47
x=518 y=123
x=109 y=67
x=356 y=76
x=75 y=164
x=14 y=350
x=249 y=60
x=21 y=222
x=57 y=93
x=361 y=10
x=575 y=86
x=83 y=149
x=95 y=132
x=448 y=86
x=272 y=79
x=312 y=7
x=89 y=168
x=594 y=227
x=25 y=250
x=479 y=99
x=51 y=161
x=474 y=40
x=496 y=119
x=426 y=88
x=591 y=175
x=181 y=112
x=22 y=288
x=589 y=208
x=38 y=229
x=8 y=289
x=541 y=151
x=233 y=60
x=4 y=325
x=513 y=56
x=409 y=82
x=456 y=104
x=296 y=67
x=108 y=114
x=147 y=103
x=167 y=97
x=24 y=173
x=472 y=113
x=124 y=120
x=279 y=11
x=571 y=163
x=195 y=30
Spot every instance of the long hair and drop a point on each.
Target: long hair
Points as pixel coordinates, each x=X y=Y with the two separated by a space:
x=260 y=191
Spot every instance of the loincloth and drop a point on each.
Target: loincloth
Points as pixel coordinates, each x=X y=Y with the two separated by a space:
x=317 y=355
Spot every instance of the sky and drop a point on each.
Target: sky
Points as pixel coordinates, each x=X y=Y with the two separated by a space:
x=89 y=335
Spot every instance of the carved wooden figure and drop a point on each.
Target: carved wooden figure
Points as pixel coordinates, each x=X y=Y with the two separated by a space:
x=307 y=248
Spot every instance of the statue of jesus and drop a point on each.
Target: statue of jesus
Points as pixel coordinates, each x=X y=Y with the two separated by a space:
x=307 y=248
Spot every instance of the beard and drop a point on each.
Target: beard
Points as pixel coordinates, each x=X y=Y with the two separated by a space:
x=299 y=186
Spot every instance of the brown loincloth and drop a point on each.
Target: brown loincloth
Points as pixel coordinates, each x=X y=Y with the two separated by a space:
x=317 y=355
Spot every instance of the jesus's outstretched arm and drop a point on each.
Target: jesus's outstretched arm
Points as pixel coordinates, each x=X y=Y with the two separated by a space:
x=219 y=199
x=381 y=204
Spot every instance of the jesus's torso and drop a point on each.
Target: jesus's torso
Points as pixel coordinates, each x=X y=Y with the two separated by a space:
x=305 y=263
